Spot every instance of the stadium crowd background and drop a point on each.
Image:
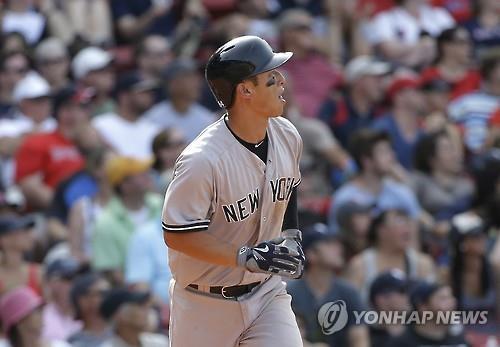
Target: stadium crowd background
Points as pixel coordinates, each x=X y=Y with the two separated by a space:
x=398 y=105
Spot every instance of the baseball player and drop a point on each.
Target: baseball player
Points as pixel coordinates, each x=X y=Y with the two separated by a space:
x=230 y=212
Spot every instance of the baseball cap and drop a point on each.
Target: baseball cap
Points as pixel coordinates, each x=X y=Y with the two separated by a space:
x=32 y=86
x=66 y=268
x=365 y=65
x=133 y=81
x=81 y=286
x=315 y=234
x=466 y=224
x=118 y=168
x=453 y=34
x=180 y=67
x=17 y=305
x=72 y=94
x=12 y=223
x=421 y=291
x=50 y=48
x=119 y=296
x=400 y=83
x=90 y=59
x=388 y=282
x=435 y=85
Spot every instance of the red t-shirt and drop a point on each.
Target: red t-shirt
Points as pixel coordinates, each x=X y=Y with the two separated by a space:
x=469 y=83
x=50 y=154
x=495 y=119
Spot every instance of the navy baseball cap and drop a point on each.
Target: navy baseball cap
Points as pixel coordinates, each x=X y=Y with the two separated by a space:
x=66 y=268
x=316 y=234
x=72 y=94
x=119 y=296
x=388 y=282
x=12 y=223
x=421 y=292
x=180 y=67
x=133 y=81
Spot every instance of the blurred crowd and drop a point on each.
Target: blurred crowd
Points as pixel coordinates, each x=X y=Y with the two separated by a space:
x=398 y=105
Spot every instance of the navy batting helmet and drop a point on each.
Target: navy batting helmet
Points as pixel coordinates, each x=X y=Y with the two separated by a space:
x=237 y=60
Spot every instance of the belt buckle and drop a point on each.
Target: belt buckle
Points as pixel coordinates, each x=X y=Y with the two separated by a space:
x=224 y=295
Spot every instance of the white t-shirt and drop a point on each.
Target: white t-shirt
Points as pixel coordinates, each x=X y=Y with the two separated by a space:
x=399 y=25
x=190 y=123
x=131 y=139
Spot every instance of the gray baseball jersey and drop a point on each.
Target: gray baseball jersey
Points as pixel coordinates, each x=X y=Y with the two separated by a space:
x=220 y=187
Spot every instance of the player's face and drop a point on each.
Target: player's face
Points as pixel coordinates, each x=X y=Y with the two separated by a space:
x=268 y=94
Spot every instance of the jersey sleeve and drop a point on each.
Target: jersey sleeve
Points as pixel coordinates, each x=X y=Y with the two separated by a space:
x=298 y=155
x=190 y=195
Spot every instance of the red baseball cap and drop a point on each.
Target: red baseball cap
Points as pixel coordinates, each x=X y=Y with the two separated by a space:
x=401 y=83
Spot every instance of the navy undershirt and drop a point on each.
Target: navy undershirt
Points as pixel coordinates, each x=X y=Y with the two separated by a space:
x=291 y=218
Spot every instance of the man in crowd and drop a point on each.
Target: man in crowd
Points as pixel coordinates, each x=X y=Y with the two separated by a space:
x=52 y=60
x=356 y=108
x=13 y=67
x=324 y=257
x=131 y=209
x=153 y=55
x=388 y=293
x=92 y=67
x=130 y=315
x=44 y=160
x=120 y=130
x=431 y=297
x=182 y=111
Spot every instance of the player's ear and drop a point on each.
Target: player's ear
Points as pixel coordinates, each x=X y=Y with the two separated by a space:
x=243 y=90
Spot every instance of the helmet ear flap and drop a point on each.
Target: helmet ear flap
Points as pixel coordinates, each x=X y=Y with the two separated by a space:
x=223 y=91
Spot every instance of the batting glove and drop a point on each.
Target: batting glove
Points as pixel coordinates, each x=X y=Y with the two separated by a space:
x=269 y=257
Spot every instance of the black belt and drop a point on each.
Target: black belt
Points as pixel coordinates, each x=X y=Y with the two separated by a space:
x=229 y=292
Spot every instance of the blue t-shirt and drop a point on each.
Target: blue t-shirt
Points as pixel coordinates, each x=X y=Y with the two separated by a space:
x=404 y=149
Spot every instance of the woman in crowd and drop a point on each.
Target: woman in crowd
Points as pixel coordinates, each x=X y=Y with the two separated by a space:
x=21 y=316
x=16 y=238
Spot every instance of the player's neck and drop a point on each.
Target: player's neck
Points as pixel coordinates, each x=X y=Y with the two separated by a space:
x=248 y=127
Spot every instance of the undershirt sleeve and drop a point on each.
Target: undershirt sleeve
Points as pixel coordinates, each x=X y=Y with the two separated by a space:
x=291 y=219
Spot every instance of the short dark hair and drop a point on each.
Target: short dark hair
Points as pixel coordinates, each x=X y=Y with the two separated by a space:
x=425 y=150
x=488 y=64
x=363 y=142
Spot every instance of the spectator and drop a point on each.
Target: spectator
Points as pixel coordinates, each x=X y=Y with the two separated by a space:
x=146 y=262
x=167 y=145
x=20 y=313
x=311 y=73
x=356 y=107
x=70 y=21
x=134 y=18
x=405 y=34
x=13 y=67
x=435 y=298
x=320 y=285
x=484 y=26
x=131 y=209
x=92 y=67
x=472 y=278
x=85 y=210
x=87 y=293
x=374 y=157
x=390 y=236
x=454 y=63
x=473 y=111
x=45 y=160
x=388 y=293
x=22 y=17
x=52 y=61
x=14 y=42
x=181 y=111
x=354 y=222
x=153 y=54
x=58 y=315
x=130 y=314
x=258 y=14
x=31 y=95
x=440 y=183
x=134 y=96
x=436 y=94
x=16 y=238
x=402 y=121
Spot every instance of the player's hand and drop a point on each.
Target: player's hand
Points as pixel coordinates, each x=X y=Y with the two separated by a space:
x=272 y=258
